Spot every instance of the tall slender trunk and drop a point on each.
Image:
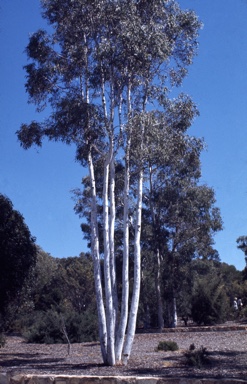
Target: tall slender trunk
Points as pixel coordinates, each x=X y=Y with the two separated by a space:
x=173 y=303
x=125 y=268
x=95 y=235
x=137 y=275
x=158 y=291
x=172 y=312
x=107 y=272
x=107 y=230
x=113 y=212
x=112 y=247
x=96 y=263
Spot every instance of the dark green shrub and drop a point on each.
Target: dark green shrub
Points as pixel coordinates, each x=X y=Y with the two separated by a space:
x=197 y=357
x=167 y=346
x=209 y=304
x=82 y=327
x=48 y=327
x=44 y=328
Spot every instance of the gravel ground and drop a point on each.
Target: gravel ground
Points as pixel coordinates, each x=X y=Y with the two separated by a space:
x=227 y=359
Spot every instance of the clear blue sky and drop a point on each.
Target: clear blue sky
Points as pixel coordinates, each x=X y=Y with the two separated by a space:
x=38 y=181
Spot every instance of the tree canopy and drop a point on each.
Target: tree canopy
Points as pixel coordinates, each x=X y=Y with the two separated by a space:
x=17 y=252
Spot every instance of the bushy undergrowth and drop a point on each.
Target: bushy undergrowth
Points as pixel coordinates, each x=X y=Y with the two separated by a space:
x=209 y=303
x=50 y=327
x=2 y=340
x=197 y=357
x=167 y=346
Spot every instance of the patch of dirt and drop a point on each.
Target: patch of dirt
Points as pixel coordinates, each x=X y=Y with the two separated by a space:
x=227 y=347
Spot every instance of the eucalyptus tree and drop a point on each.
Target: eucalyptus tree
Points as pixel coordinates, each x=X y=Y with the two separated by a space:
x=194 y=220
x=98 y=70
x=180 y=218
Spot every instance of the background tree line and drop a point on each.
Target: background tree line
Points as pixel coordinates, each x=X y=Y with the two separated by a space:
x=56 y=300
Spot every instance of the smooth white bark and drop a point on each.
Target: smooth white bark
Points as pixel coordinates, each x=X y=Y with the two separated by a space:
x=107 y=272
x=125 y=268
x=174 y=313
x=113 y=212
x=137 y=275
x=96 y=263
x=112 y=243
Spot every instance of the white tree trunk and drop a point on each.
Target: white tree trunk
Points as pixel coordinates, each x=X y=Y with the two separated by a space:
x=137 y=275
x=96 y=263
x=125 y=269
x=174 y=314
x=107 y=272
x=112 y=247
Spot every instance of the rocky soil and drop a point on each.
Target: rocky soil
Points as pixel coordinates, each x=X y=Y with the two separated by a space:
x=227 y=359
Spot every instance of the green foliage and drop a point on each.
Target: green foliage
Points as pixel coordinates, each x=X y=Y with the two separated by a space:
x=58 y=289
x=209 y=303
x=48 y=327
x=147 y=313
x=179 y=216
x=45 y=327
x=82 y=327
x=62 y=283
x=167 y=346
x=101 y=43
x=17 y=252
x=242 y=244
x=197 y=357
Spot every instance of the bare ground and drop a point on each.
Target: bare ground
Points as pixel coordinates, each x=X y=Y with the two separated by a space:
x=227 y=346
